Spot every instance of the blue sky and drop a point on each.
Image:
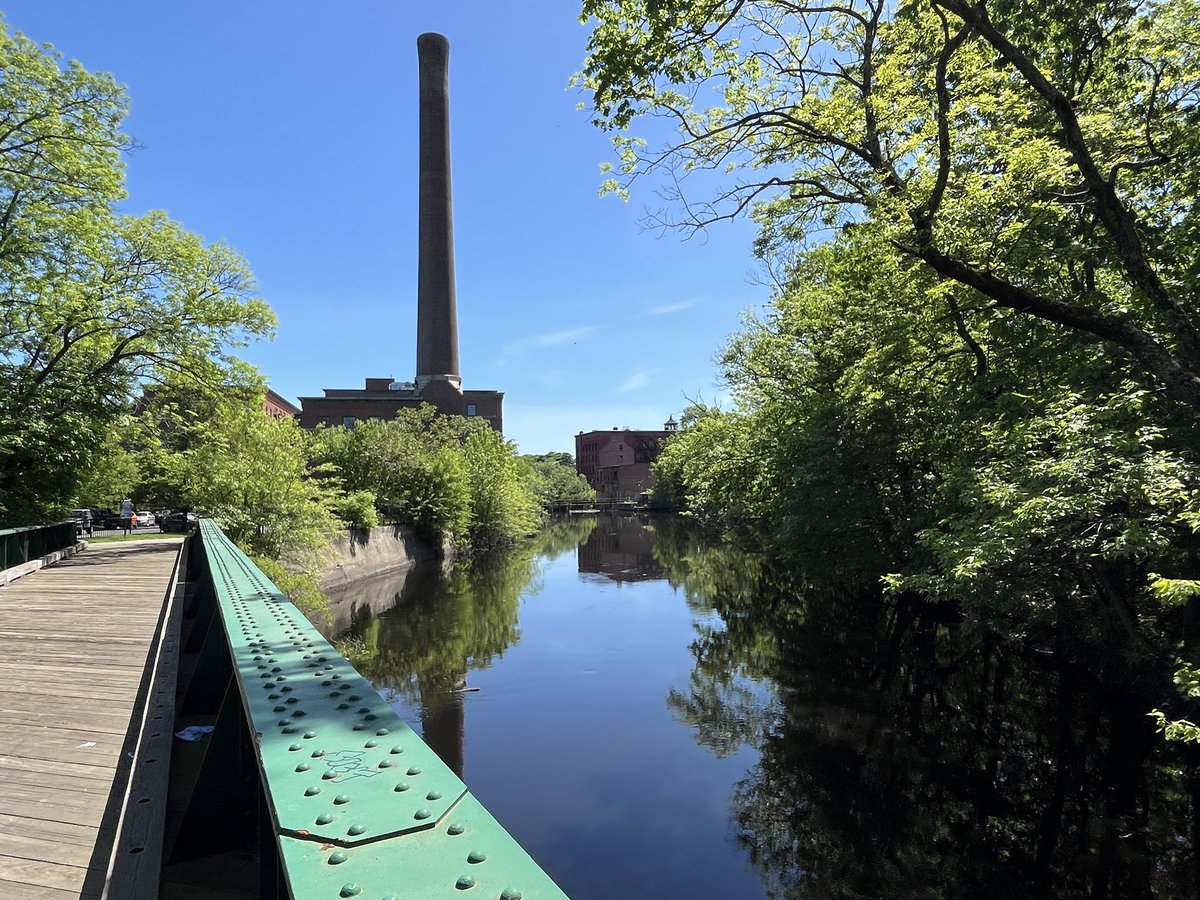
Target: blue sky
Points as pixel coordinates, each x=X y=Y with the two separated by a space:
x=289 y=131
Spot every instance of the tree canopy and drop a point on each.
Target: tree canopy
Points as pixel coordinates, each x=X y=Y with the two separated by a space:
x=978 y=377
x=94 y=303
x=1030 y=161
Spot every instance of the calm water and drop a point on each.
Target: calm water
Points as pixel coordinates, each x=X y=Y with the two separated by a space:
x=653 y=716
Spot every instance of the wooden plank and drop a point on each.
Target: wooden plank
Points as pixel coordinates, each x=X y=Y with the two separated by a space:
x=10 y=763
x=42 y=874
x=38 y=849
x=59 y=832
x=11 y=890
x=74 y=643
x=137 y=875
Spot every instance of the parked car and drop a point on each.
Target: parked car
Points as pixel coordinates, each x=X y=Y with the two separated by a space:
x=82 y=519
x=181 y=522
x=146 y=519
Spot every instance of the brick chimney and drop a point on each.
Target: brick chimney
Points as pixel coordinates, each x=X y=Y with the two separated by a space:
x=437 y=316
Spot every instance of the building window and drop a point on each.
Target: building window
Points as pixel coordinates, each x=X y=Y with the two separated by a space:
x=348 y=421
x=322 y=420
x=376 y=418
x=470 y=409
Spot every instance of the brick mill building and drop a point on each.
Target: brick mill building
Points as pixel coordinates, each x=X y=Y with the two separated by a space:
x=437 y=381
x=617 y=463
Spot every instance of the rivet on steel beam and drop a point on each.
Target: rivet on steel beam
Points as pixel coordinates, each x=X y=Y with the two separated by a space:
x=359 y=726
x=325 y=818
x=386 y=763
x=414 y=770
x=401 y=787
x=383 y=731
x=317 y=754
x=337 y=856
x=476 y=856
x=310 y=734
x=329 y=775
x=343 y=706
x=434 y=795
x=341 y=798
x=370 y=744
x=456 y=828
x=294 y=747
x=510 y=894
x=422 y=813
x=279 y=708
x=311 y=791
x=354 y=698
x=293 y=700
x=356 y=829
x=465 y=882
x=303 y=767
x=350 y=889
x=397 y=749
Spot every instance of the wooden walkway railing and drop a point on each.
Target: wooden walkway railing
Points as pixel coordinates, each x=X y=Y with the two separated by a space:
x=79 y=645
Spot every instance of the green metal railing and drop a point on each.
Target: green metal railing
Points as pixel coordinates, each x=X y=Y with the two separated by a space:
x=351 y=802
x=20 y=545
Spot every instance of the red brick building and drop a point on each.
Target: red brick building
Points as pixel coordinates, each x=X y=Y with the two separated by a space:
x=617 y=463
x=383 y=398
x=280 y=408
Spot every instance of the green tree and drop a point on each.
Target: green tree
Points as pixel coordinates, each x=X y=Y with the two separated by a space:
x=978 y=374
x=250 y=471
x=93 y=303
x=1038 y=161
x=453 y=478
x=555 y=477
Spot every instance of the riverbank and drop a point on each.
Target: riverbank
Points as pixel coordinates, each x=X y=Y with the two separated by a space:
x=366 y=568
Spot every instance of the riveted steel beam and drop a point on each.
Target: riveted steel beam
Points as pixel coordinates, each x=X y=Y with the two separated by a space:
x=356 y=800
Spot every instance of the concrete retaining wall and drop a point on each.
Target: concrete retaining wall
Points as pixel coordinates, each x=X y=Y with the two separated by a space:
x=369 y=570
x=364 y=554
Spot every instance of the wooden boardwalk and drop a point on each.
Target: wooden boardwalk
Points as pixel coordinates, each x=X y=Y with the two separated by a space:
x=74 y=643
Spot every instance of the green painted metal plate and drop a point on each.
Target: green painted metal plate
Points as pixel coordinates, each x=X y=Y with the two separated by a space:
x=358 y=798
x=467 y=855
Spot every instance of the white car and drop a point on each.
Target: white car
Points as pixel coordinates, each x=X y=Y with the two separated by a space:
x=145 y=519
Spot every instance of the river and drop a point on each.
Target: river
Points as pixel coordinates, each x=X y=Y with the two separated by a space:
x=653 y=715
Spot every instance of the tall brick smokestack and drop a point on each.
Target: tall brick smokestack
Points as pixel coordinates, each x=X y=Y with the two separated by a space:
x=437 y=317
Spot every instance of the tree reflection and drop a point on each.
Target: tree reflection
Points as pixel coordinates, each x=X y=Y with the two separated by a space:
x=450 y=622
x=901 y=758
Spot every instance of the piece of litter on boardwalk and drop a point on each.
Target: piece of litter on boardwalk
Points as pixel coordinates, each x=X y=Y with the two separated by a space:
x=86 y=744
x=194 y=732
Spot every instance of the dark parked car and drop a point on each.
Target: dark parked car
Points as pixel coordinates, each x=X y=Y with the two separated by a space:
x=83 y=520
x=181 y=522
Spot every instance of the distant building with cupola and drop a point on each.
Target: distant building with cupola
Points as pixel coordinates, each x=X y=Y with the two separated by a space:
x=617 y=463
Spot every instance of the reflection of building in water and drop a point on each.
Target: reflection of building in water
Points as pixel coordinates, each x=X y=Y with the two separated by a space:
x=617 y=463
x=621 y=548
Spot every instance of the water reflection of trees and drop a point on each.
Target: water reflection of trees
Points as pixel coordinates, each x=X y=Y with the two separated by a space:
x=441 y=627
x=460 y=619
x=899 y=758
